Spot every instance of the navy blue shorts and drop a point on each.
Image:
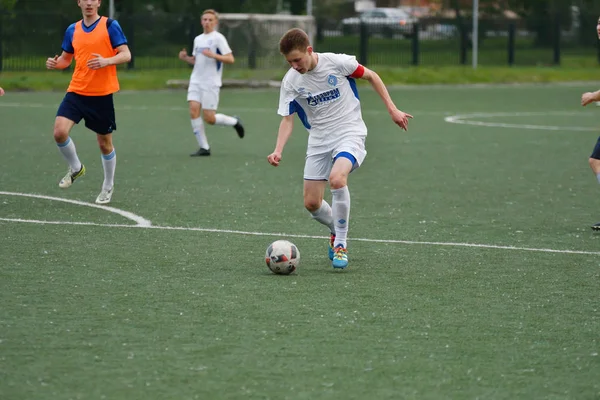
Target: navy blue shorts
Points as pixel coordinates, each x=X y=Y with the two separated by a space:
x=98 y=112
x=596 y=152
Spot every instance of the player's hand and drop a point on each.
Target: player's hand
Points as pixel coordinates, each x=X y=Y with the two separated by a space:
x=97 y=62
x=51 y=62
x=588 y=98
x=183 y=54
x=274 y=158
x=1 y=92
x=400 y=118
x=208 y=53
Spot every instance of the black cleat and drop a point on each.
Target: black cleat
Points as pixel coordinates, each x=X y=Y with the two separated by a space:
x=239 y=128
x=596 y=227
x=201 y=152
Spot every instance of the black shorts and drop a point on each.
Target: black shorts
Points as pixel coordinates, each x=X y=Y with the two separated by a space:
x=97 y=111
x=596 y=152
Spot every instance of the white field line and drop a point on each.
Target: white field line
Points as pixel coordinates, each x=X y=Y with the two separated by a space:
x=281 y=234
x=140 y=221
x=471 y=119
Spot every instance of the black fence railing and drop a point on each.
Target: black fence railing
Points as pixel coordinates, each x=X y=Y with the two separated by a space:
x=26 y=40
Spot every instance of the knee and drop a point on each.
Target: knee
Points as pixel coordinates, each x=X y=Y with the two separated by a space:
x=312 y=205
x=106 y=148
x=210 y=119
x=60 y=134
x=194 y=112
x=337 y=181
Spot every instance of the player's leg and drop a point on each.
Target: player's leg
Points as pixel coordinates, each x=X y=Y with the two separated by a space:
x=211 y=102
x=316 y=171
x=348 y=155
x=595 y=165
x=67 y=116
x=99 y=117
x=340 y=204
x=195 y=105
x=109 y=164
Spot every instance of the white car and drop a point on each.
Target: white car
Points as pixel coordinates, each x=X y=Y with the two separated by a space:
x=385 y=21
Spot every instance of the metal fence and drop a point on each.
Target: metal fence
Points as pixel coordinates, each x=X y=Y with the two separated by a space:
x=26 y=40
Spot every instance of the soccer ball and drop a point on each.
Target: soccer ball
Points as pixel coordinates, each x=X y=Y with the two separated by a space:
x=282 y=257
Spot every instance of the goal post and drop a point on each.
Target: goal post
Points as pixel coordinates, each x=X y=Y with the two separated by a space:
x=254 y=38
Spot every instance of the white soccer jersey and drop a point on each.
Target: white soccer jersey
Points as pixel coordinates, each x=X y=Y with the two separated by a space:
x=208 y=71
x=326 y=100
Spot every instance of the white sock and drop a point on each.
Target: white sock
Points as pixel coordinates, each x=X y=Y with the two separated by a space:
x=109 y=162
x=324 y=216
x=340 y=207
x=69 y=152
x=222 y=119
x=198 y=127
x=598 y=177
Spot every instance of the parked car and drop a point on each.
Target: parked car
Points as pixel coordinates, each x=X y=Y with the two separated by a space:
x=385 y=21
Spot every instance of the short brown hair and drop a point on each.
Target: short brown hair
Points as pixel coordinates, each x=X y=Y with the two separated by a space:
x=211 y=11
x=294 y=39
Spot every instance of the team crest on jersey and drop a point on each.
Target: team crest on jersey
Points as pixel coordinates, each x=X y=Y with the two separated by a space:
x=332 y=80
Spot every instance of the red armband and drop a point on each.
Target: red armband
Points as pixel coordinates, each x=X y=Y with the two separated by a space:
x=358 y=72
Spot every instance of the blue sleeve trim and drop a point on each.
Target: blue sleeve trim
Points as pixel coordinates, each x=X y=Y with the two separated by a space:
x=354 y=88
x=295 y=107
x=219 y=63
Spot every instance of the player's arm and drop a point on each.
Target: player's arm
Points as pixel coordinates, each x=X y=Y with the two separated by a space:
x=224 y=58
x=1 y=92
x=59 y=62
x=590 y=97
x=183 y=55
x=286 y=126
x=123 y=56
x=400 y=118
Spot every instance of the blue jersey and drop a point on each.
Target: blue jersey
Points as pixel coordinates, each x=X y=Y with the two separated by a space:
x=117 y=37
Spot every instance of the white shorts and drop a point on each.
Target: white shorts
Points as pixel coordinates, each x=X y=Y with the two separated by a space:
x=208 y=97
x=318 y=166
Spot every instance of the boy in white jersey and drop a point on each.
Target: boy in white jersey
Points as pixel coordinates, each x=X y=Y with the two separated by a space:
x=211 y=50
x=320 y=88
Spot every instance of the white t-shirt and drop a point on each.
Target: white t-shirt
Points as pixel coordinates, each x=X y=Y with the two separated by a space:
x=207 y=71
x=326 y=100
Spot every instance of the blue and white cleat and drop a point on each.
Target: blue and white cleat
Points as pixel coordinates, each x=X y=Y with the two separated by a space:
x=340 y=257
x=331 y=243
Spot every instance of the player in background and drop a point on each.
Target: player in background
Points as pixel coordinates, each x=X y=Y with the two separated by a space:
x=587 y=98
x=211 y=51
x=320 y=88
x=98 y=46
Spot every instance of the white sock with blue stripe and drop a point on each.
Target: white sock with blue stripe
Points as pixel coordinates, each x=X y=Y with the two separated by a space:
x=69 y=152
x=109 y=162
x=340 y=207
x=198 y=128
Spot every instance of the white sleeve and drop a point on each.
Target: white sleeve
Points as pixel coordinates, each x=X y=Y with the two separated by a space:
x=287 y=99
x=223 y=46
x=346 y=64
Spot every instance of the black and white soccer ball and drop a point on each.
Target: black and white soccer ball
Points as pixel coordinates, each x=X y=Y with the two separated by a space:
x=282 y=257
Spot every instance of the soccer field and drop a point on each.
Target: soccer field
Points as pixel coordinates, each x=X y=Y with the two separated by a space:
x=473 y=271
